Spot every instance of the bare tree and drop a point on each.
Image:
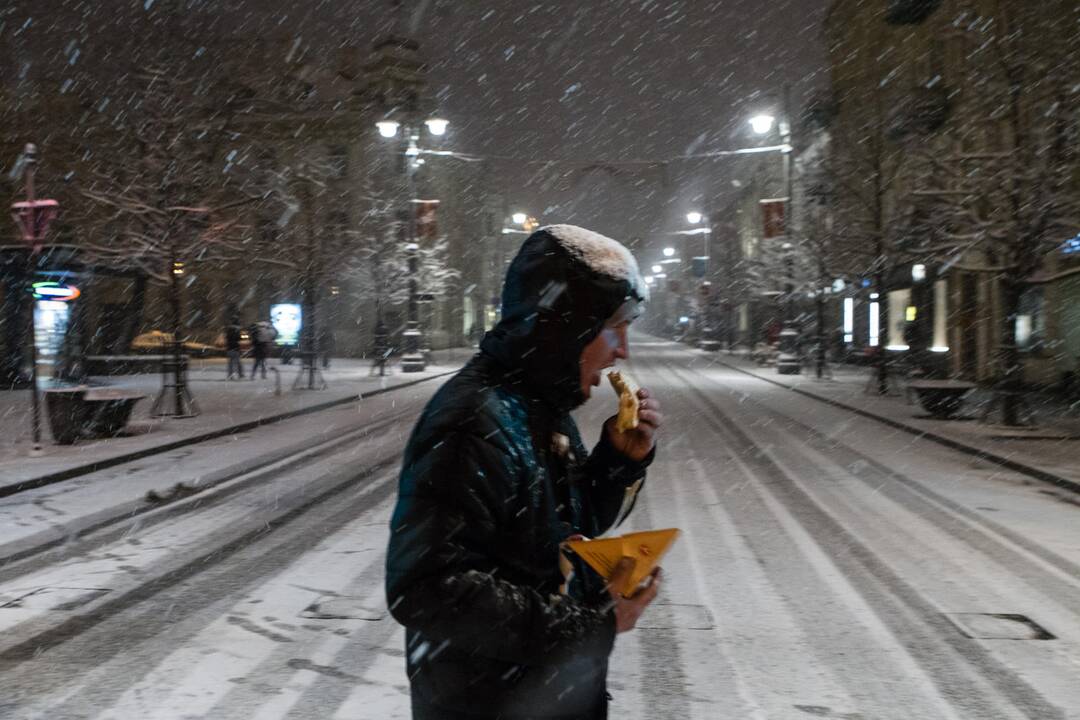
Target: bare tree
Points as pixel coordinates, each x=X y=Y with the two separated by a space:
x=157 y=203
x=823 y=249
x=1005 y=195
x=313 y=239
x=434 y=272
x=871 y=211
x=379 y=272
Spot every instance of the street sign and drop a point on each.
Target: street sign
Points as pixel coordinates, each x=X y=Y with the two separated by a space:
x=772 y=217
x=59 y=292
x=33 y=218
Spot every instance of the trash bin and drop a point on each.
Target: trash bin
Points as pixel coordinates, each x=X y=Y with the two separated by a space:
x=67 y=413
x=788 y=361
x=108 y=411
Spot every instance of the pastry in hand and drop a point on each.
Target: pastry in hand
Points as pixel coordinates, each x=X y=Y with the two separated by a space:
x=628 y=402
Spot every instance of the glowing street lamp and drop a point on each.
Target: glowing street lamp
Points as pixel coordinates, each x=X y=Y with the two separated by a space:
x=412 y=359
x=693 y=217
x=437 y=126
x=387 y=128
x=669 y=252
x=657 y=268
x=762 y=124
x=519 y=218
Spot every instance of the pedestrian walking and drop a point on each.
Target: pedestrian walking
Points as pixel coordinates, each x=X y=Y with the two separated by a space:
x=495 y=478
x=327 y=344
x=233 y=335
x=262 y=335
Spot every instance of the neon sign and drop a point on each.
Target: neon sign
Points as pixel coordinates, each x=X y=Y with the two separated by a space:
x=287 y=320
x=54 y=291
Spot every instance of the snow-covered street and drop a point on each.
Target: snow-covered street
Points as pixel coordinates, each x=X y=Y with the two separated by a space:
x=830 y=566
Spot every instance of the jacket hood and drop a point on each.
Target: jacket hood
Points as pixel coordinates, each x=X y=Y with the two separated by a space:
x=562 y=286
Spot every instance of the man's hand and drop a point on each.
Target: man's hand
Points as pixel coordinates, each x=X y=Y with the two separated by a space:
x=636 y=444
x=628 y=610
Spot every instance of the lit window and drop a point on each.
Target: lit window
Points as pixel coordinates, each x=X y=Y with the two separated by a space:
x=875 y=328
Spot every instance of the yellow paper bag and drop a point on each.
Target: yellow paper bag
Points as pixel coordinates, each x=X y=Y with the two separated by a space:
x=646 y=548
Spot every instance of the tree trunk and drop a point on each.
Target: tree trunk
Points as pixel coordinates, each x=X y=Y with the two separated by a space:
x=882 y=360
x=312 y=275
x=1010 y=372
x=822 y=333
x=135 y=308
x=822 y=337
x=16 y=299
x=176 y=306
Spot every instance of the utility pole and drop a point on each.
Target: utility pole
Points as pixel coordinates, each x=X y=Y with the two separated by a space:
x=788 y=361
x=33 y=217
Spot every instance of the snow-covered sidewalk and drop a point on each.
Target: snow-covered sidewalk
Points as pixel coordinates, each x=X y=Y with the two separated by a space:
x=223 y=403
x=1049 y=448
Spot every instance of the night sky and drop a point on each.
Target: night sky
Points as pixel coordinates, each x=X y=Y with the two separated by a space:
x=615 y=81
x=607 y=80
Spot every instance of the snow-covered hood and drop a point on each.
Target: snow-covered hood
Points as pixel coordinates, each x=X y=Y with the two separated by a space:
x=562 y=286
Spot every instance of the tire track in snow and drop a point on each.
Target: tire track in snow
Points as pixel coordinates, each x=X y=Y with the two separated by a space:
x=140 y=623
x=784 y=604
x=926 y=634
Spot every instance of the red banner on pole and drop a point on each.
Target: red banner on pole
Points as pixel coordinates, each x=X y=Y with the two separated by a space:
x=427 y=228
x=773 y=217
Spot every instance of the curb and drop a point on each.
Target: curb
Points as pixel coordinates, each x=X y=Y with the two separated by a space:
x=1022 y=468
x=86 y=469
x=211 y=487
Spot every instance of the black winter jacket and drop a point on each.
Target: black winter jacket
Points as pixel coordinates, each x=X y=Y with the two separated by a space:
x=489 y=490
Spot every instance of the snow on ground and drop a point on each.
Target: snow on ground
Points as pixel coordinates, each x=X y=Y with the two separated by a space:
x=830 y=567
x=223 y=403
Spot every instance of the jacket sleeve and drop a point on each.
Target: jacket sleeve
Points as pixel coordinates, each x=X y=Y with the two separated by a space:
x=613 y=482
x=441 y=575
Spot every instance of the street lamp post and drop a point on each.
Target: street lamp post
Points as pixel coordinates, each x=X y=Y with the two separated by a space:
x=33 y=217
x=788 y=361
x=412 y=359
x=174 y=399
x=707 y=335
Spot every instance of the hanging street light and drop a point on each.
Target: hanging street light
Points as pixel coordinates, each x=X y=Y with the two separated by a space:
x=437 y=126
x=762 y=124
x=387 y=128
x=412 y=359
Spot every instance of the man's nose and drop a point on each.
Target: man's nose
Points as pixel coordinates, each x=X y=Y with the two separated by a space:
x=622 y=350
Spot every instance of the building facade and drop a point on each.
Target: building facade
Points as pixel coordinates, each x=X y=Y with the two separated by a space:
x=307 y=184
x=948 y=113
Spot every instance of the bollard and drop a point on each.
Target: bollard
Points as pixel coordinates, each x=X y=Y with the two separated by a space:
x=277 y=381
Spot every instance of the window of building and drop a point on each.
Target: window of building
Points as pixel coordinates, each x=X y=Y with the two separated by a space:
x=1031 y=321
x=899 y=302
x=941 y=316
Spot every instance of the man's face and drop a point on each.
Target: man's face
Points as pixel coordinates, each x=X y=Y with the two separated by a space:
x=610 y=345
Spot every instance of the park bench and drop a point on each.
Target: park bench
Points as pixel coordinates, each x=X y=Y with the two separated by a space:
x=941 y=398
x=80 y=412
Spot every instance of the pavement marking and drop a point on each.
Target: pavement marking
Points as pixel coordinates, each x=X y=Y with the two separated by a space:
x=195 y=678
